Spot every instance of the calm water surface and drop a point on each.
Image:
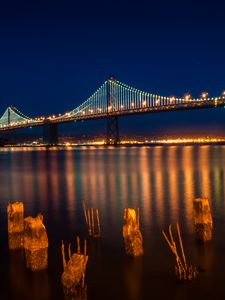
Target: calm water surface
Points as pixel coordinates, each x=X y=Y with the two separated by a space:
x=161 y=181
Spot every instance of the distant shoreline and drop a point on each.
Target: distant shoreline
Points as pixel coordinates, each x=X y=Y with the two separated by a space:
x=152 y=144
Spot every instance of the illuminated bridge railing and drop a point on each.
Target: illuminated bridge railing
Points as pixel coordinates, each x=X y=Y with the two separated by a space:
x=116 y=98
x=113 y=98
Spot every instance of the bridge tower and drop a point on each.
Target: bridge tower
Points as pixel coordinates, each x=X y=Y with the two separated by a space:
x=8 y=115
x=112 y=130
x=50 y=133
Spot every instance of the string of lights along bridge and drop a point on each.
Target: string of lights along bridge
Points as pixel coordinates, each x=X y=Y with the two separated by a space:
x=112 y=100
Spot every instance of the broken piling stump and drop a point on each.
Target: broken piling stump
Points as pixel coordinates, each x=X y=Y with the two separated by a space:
x=15 y=212
x=183 y=272
x=202 y=219
x=131 y=232
x=74 y=272
x=35 y=243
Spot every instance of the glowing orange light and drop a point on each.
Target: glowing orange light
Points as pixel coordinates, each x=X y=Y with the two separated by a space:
x=187 y=97
x=204 y=95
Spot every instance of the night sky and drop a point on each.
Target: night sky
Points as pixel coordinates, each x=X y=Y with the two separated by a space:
x=54 y=54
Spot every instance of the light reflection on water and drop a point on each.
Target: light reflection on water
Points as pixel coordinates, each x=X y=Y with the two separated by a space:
x=162 y=181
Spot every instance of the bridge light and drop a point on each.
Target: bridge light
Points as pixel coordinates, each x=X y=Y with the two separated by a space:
x=83 y=112
x=172 y=99
x=109 y=107
x=204 y=95
x=132 y=104
x=187 y=97
x=144 y=103
x=122 y=106
x=223 y=94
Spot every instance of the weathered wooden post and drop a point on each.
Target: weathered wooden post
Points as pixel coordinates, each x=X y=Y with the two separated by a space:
x=15 y=213
x=74 y=272
x=202 y=219
x=35 y=243
x=131 y=233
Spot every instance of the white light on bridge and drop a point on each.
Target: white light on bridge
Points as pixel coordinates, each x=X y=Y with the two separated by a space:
x=204 y=95
x=187 y=97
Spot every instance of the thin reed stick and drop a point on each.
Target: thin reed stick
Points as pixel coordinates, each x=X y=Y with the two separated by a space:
x=63 y=256
x=181 y=245
x=92 y=221
x=69 y=250
x=89 y=222
x=84 y=266
x=85 y=212
x=98 y=221
x=173 y=249
x=78 y=245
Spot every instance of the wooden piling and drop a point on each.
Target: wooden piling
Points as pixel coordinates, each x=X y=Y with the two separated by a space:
x=202 y=219
x=131 y=233
x=35 y=243
x=15 y=212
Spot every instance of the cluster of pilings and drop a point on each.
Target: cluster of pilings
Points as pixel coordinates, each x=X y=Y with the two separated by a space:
x=30 y=234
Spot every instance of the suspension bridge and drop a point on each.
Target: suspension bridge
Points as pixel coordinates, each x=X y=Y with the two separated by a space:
x=112 y=100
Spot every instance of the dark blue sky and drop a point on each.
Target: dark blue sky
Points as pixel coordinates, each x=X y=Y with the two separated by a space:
x=54 y=54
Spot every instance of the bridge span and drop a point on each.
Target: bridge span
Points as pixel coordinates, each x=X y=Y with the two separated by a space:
x=112 y=100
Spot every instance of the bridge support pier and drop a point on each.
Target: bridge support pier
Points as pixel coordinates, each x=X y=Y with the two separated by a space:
x=50 y=134
x=112 y=134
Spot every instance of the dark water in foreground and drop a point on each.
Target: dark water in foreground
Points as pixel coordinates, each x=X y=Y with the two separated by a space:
x=162 y=181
